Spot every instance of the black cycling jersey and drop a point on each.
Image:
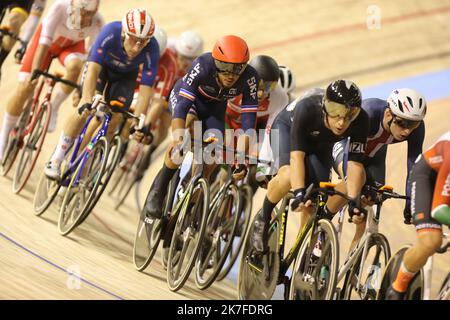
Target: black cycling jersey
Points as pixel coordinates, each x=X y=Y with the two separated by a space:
x=309 y=134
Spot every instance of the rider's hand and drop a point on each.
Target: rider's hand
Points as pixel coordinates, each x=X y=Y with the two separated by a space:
x=85 y=109
x=357 y=213
x=240 y=170
x=298 y=203
x=76 y=97
x=407 y=215
x=18 y=56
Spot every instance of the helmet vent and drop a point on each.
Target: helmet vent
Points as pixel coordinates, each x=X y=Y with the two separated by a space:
x=221 y=51
x=400 y=106
x=411 y=102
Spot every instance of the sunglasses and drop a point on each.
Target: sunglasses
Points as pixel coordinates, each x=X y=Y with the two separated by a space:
x=135 y=39
x=339 y=111
x=406 y=124
x=230 y=68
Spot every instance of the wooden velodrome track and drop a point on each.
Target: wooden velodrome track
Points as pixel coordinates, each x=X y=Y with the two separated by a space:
x=319 y=40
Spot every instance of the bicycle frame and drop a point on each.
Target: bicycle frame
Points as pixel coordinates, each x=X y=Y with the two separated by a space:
x=428 y=273
x=82 y=158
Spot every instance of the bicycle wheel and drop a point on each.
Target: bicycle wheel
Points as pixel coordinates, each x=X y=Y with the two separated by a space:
x=111 y=159
x=15 y=140
x=314 y=277
x=31 y=149
x=45 y=193
x=147 y=238
x=255 y=283
x=220 y=232
x=444 y=292
x=187 y=235
x=364 y=285
x=416 y=285
x=83 y=187
x=244 y=221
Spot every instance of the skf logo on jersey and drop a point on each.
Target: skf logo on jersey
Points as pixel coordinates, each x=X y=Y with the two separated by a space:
x=253 y=87
x=446 y=188
x=357 y=147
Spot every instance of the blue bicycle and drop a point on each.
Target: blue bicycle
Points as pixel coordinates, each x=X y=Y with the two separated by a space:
x=86 y=174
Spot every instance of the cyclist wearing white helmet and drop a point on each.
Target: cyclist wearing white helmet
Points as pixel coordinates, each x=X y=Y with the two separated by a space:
x=113 y=66
x=287 y=81
x=398 y=119
x=187 y=47
x=55 y=37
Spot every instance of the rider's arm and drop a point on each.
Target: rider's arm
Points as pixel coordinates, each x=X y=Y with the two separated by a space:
x=297 y=165
x=249 y=108
x=49 y=25
x=33 y=19
x=299 y=143
x=90 y=82
x=145 y=94
x=356 y=175
x=415 y=144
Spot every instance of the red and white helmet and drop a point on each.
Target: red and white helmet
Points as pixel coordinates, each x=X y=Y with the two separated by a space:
x=190 y=44
x=407 y=104
x=75 y=9
x=138 y=23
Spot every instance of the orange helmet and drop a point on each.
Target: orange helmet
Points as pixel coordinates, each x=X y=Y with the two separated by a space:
x=231 y=49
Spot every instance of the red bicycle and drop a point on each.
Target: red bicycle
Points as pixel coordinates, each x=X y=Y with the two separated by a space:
x=27 y=138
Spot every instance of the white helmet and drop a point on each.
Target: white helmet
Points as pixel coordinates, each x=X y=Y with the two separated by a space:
x=190 y=44
x=74 y=11
x=287 y=79
x=138 y=23
x=161 y=36
x=407 y=104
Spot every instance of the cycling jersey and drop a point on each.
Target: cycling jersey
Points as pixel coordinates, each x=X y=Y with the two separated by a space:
x=377 y=142
x=108 y=52
x=431 y=170
x=200 y=88
x=268 y=109
x=63 y=42
x=301 y=127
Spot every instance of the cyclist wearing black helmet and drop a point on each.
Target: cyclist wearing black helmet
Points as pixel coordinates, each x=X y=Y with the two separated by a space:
x=307 y=129
x=271 y=100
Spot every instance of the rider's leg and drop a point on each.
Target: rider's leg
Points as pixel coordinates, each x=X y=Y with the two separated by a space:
x=73 y=63
x=429 y=231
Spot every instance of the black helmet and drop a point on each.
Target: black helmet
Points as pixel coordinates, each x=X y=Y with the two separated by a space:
x=266 y=67
x=344 y=92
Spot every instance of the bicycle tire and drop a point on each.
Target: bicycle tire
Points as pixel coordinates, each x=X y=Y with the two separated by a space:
x=175 y=281
x=252 y=284
x=246 y=210
x=369 y=293
x=416 y=285
x=32 y=146
x=330 y=234
x=63 y=228
x=47 y=189
x=202 y=279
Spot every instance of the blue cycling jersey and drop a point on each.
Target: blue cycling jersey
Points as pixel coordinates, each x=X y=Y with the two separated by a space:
x=108 y=51
x=200 y=87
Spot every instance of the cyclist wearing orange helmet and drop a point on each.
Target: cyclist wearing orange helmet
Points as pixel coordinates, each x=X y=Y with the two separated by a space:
x=212 y=79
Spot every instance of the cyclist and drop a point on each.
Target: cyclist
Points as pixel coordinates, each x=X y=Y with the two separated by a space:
x=307 y=129
x=430 y=206
x=271 y=100
x=173 y=65
x=20 y=10
x=398 y=119
x=112 y=69
x=213 y=79
x=287 y=81
x=62 y=34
